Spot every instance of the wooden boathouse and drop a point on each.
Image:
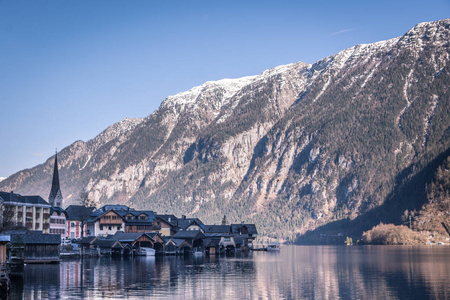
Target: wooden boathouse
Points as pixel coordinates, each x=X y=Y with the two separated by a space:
x=38 y=247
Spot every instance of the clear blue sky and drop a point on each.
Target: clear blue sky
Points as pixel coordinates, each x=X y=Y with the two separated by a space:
x=69 y=69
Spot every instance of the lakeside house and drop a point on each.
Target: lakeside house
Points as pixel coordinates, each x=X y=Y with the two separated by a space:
x=133 y=240
x=58 y=217
x=77 y=215
x=185 y=224
x=87 y=246
x=110 y=247
x=196 y=238
x=167 y=225
x=174 y=246
x=31 y=212
x=37 y=246
x=247 y=232
x=105 y=221
x=138 y=221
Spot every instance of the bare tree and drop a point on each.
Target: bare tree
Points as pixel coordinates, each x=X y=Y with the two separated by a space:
x=8 y=219
x=83 y=197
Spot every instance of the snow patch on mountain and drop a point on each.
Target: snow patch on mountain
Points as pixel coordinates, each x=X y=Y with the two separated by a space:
x=229 y=87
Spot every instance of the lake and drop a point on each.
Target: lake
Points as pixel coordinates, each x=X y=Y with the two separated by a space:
x=297 y=272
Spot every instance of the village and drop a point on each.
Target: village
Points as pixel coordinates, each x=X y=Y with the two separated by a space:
x=36 y=231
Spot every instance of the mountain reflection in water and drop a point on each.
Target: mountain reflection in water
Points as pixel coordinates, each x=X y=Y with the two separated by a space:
x=355 y=272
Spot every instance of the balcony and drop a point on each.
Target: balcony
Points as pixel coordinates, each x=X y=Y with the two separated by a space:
x=46 y=226
x=29 y=214
x=20 y=214
x=46 y=216
x=28 y=224
x=36 y=225
x=38 y=215
x=110 y=222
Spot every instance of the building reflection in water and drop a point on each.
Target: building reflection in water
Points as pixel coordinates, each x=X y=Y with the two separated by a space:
x=319 y=272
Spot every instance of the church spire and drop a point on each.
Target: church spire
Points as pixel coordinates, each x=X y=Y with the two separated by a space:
x=55 y=198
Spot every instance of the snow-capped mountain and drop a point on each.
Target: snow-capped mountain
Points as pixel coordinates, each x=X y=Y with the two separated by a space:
x=295 y=148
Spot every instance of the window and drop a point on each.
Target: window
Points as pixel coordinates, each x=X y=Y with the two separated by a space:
x=72 y=224
x=226 y=239
x=72 y=235
x=109 y=228
x=101 y=227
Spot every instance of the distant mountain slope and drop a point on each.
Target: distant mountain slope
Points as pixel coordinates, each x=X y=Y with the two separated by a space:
x=293 y=149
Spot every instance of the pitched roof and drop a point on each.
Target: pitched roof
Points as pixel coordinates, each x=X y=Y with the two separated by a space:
x=78 y=212
x=123 y=211
x=115 y=207
x=217 y=228
x=33 y=200
x=36 y=238
x=171 y=219
x=136 y=213
x=240 y=229
x=58 y=210
x=217 y=235
x=126 y=237
x=88 y=240
x=189 y=234
x=184 y=223
x=102 y=243
x=97 y=214
x=178 y=242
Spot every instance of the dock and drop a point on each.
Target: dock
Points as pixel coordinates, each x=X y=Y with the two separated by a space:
x=259 y=248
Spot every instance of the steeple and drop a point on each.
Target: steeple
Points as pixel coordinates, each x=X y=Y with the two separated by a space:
x=55 y=198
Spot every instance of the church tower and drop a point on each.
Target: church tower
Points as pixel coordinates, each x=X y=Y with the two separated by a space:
x=55 y=199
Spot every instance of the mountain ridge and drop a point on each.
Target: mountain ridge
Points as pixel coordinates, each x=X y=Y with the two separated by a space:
x=291 y=149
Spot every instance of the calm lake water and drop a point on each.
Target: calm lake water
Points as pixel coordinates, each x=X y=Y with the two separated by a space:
x=298 y=272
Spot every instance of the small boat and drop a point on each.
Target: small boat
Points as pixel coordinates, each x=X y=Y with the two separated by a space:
x=273 y=247
x=147 y=251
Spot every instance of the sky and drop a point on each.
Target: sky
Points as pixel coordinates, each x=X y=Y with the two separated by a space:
x=70 y=69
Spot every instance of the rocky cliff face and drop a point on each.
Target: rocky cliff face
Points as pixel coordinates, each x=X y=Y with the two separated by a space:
x=292 y=149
